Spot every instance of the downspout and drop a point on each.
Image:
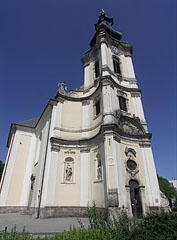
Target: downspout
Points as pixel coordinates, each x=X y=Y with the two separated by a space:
x=42 y=183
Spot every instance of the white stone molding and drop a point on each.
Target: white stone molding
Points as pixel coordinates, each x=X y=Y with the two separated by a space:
x=138 y=107
x=150 y=176
x=120 y=183
x=86 y=76
x=106 y=164
x=85 y=179
x=27 y=183
x=52 y=176
x=40 y=167
x=130 y=67
x=58 y=114
x=104 y=54
x=38 y=146
x=86 y=118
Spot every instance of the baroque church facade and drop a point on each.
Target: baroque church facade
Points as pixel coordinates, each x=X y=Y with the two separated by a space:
x=89 y=144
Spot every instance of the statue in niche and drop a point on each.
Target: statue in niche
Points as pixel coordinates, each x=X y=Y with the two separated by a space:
x=62 y=87
x=68 y=172
x=99 y=170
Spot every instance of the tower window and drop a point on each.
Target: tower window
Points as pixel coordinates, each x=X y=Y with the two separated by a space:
x=97 y=69
x=116 y=64
x=97 y=107
x=122 y=103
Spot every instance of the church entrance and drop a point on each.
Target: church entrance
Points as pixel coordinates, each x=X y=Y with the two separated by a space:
x=135 y=197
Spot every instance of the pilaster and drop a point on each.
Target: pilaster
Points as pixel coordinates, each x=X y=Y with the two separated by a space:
x=52 y=176
x=150 y=176
x=85 y=118
x=85 y=178
x=104 y=53
x=58 y=118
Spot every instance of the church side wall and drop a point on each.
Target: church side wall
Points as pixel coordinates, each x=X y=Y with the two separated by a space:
x=9 y=166
x=17 y=178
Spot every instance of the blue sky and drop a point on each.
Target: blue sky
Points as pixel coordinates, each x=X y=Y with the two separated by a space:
x=43 y=41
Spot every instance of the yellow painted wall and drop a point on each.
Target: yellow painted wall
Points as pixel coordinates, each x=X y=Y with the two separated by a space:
x=71 y=115
x=71 y=119
x=16 y=183
x=68 y=194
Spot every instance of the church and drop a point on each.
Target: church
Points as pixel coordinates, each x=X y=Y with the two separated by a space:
x=89 y=144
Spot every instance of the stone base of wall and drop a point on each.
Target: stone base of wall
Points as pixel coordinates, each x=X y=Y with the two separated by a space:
x=50 y=212
x=159 y=209
x=13 y=209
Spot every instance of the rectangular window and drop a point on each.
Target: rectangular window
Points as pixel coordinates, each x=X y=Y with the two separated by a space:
x=97 y=107
x=122 y=103
x=116 y=66
x=97 y=70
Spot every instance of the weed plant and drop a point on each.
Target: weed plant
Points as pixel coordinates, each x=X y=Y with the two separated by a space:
x=154 y=226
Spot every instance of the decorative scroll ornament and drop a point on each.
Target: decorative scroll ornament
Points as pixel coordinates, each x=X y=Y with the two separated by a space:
x=130 y=126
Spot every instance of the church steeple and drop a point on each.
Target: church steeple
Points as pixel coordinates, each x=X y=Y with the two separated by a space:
x=104 y=25
x=105 y=19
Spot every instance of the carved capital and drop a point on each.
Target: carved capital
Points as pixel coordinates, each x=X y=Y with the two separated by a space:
x=85 y=102
x=60 y=100
x=135 y=94
x=55 y=147
x=85 y=150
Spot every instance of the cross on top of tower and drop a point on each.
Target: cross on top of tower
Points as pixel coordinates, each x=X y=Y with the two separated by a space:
x=105 y=19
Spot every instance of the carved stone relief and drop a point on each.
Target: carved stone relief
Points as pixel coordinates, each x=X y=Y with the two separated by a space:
x=113 y=198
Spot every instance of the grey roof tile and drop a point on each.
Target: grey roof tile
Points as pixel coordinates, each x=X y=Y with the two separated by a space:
x=29 y=123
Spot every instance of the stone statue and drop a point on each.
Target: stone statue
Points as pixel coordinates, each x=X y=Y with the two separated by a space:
x=68 y=172
x=62 y=87
x=99 y=170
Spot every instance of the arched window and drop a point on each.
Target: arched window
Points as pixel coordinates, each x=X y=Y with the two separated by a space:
x=97 y=69
x=116 y=64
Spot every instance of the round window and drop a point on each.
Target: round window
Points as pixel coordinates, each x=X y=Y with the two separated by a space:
x=131 y=164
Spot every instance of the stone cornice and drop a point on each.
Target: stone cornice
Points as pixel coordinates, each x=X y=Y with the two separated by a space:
x=104 y=80
x=106 y=129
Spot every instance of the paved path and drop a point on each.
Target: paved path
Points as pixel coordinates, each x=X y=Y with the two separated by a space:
x=38 y=227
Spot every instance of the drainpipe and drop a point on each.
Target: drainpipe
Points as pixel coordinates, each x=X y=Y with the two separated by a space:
x=42 y=183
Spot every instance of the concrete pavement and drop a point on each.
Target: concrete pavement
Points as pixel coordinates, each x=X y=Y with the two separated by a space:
x=38 y=227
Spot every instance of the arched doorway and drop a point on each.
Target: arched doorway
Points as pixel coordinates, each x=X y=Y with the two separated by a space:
x=135 y=199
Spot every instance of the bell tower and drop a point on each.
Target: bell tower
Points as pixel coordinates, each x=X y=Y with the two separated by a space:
x=129 y=169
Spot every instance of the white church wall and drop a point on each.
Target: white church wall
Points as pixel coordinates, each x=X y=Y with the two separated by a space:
x=9 y=167
x=18 y=175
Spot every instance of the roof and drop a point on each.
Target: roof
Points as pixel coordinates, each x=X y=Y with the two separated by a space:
x=29 y=123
